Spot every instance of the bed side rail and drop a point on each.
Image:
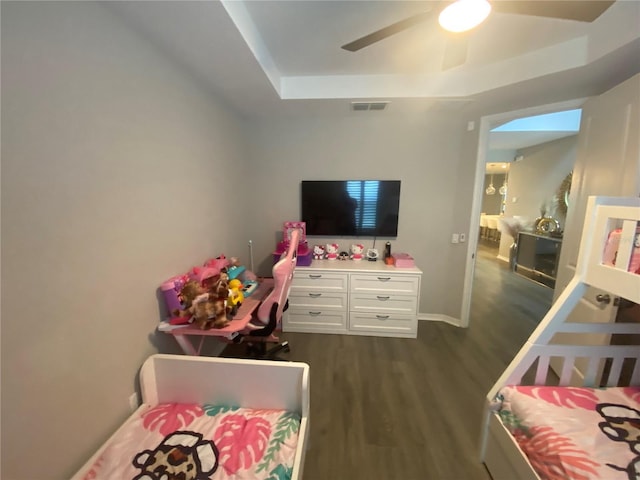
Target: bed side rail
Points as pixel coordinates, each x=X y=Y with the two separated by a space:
x=226 y=381
x=604 y=365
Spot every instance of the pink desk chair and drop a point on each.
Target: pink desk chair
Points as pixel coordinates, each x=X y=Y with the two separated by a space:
x=269 y=313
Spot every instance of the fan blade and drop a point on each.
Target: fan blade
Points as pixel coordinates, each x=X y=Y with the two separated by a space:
x=455 y=51
x=580 y=10
x=387 y=32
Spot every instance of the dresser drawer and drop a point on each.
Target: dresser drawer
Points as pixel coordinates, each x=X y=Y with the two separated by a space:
x=400 y=325
x=335 y=282
x=383 y=302
x=312 y=300
x=373 y=283
x=318 y=320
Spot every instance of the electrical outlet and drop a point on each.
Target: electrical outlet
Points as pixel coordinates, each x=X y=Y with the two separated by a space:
x=463 y=238
x=455 y=238
x=133 y=401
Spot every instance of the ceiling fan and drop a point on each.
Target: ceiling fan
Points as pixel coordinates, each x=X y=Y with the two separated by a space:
x=456 y=50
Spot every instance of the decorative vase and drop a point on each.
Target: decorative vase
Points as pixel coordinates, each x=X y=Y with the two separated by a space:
x=547 y=225
x=513 y=254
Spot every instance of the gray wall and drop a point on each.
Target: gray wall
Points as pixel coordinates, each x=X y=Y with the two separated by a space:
x=535 y=179
x=491 y=204
x=113 y=179
x=423 y=152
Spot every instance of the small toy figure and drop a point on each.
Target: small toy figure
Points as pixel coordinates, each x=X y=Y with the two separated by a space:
x=343 y=256
x=356 y=251
x=332 y=251
x=318 y=252
x=236 y=297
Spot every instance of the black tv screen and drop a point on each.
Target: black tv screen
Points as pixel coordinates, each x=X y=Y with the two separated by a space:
x=351 y=207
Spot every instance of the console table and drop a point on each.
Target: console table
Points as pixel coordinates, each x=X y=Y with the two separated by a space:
x=354 y=297
x=537 y=257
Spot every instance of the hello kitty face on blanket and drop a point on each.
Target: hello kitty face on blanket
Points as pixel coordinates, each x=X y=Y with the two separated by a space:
x=622 y=424
x=180 y=456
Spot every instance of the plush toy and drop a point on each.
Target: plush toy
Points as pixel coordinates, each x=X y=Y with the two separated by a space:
x=188 y=293
x=318 y=252
x=236 y=297
x=356 y=251
x=343 y=256
x=207 y=312
x=332 y=251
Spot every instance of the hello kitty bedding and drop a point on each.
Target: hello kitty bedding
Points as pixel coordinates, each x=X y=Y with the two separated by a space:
x=575 y=433
x=176 y=440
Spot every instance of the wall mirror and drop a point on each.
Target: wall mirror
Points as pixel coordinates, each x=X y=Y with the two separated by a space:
x=562 y=195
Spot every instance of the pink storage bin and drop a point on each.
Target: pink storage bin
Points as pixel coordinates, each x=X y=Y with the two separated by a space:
x=403 y=260
x=611 y=250
x=171 y=291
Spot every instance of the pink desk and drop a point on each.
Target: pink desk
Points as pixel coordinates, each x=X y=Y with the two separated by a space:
x=239 y=322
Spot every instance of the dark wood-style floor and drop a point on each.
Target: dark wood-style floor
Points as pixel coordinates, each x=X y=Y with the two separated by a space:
x=388 y=408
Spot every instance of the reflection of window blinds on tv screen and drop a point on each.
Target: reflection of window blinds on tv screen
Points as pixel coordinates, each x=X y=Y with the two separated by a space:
x=351 y=207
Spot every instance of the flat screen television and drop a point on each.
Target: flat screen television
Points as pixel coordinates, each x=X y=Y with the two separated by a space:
x=350 y=207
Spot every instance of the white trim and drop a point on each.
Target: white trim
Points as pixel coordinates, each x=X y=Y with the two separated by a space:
x=439 y=317
x=487 y=123
x=502 y=258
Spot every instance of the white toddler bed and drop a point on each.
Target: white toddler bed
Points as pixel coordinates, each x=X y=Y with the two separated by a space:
x=575 y=426
x=211 y=418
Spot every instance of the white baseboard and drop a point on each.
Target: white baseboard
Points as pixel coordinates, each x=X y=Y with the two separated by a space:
x=439 y=317
x=504 y=259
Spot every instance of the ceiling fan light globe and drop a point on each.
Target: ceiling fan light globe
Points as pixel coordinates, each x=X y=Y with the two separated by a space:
x=463 y=15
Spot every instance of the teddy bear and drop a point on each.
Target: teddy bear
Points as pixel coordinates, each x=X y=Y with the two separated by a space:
x=188 y=293
x=207 y=312
x=318 y=252
x=332 y=251
x=356 y=251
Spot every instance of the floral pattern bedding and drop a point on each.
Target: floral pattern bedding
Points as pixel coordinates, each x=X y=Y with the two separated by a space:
x=575 y=433
x=199 y=442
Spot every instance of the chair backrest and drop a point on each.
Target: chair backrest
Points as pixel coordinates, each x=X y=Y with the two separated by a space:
x=274 y=304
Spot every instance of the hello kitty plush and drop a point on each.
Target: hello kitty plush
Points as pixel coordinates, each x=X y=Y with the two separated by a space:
x=356 y=251
x=332 y=251
x=318 y=252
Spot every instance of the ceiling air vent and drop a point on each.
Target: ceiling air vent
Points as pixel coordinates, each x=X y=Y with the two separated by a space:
x=365 y=106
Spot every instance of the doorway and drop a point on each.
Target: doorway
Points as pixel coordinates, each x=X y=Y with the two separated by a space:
x=487 y=124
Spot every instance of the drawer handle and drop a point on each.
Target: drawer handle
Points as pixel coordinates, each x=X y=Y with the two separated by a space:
x=315 y=276
x=314 y=314
x=382 y=317
x=384 y=279
x=315 y=295
x=384 y=299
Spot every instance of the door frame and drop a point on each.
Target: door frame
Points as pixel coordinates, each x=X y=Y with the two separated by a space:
x=488 y=123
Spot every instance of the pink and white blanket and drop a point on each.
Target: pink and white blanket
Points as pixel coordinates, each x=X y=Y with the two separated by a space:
x=198 y=442
x=575 y=433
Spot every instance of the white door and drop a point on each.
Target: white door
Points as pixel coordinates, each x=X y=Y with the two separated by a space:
x=607 y=163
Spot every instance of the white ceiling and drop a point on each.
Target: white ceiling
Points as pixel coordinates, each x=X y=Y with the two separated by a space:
x=267 y=57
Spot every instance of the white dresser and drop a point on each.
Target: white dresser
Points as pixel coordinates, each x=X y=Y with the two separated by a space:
x=357 y=298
